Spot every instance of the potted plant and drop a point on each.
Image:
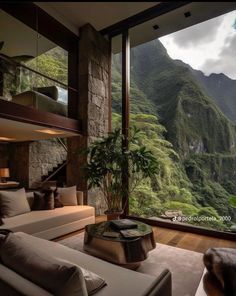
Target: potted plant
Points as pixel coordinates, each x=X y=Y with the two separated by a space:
x=108 y=165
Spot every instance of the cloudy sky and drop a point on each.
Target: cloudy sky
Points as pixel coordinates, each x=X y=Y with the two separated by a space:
x=209 y=46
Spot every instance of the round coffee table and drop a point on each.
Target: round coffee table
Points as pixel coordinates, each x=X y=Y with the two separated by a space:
x=127 y=252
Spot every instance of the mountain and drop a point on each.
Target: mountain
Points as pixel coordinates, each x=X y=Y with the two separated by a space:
x=179 y=99
x=219 y=87
x=222 y=89
x=139 y=101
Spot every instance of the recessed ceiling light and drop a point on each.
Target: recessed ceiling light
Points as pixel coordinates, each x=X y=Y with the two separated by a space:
x=49 y=131
x=187 y=14
x=6 y=139
x=155 y=27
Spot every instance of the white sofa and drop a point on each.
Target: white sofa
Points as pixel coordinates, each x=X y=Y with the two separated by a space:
x=50 y=224
x=120 y=281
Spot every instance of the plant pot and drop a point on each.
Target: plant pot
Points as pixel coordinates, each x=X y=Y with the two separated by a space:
x=113 y=215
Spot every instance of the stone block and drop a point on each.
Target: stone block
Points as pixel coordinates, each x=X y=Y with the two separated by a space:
x=96 y=86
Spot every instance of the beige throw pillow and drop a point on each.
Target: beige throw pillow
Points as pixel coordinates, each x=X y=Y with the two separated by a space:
x=93 y=281
x=54 y=275
x=68 y=196
x=13 y=203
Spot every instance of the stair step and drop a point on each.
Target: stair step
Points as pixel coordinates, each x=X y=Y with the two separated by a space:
x=53 y=170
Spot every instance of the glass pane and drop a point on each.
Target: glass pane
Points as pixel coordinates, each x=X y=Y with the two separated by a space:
x=51 y=60
x=183 y=100
x=33 y=70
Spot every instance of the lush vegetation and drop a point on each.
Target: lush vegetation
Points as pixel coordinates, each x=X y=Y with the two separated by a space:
x=170 y=188
x=190 y=137
x=233 y=201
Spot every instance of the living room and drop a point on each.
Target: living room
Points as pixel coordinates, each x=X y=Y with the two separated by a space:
x=97 y=194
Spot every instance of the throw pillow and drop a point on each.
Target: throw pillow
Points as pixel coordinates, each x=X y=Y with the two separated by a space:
x=4 y=232
x=49 y=91
x=221 y=262
x=30 y=198
x=93 y=281
x=49 y=199
x=68 y=196
x=13 y=203
x=57 y=201
x=46 y=271
x=39 y=202
x=43 y=200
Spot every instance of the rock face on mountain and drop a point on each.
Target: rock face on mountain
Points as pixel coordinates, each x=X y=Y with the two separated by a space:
x=184 y=101
x=222 y=89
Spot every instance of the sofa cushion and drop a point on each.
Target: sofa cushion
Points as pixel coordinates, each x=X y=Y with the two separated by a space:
x=93 y=281
x=38 y=221
x=30 y=198
x=54 y=275
x=43 y=200
x=13 y=203
x=57 y=201
x=115 y=276
x=38 y=203
x=49 y=91
x=68 y=196
x=11 y=284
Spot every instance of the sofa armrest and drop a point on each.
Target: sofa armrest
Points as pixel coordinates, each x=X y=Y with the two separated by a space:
x=80 y=197
x=161 y=286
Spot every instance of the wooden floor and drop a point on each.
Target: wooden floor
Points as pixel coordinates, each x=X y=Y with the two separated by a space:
x=184 y=240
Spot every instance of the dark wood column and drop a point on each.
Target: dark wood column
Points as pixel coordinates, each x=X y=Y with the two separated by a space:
x=1 y=83
x=125 y=107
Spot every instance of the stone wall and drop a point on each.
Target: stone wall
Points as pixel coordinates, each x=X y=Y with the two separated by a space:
x=29 y=161
x=43 y=157
x=93 y=109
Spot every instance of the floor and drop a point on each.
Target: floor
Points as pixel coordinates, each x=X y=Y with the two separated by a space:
x=180 y=239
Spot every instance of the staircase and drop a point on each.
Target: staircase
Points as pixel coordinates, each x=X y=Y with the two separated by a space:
x=54 y=172
x=58 y=173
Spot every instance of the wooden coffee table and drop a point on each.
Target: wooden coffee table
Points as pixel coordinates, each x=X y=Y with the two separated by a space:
x=127 y=252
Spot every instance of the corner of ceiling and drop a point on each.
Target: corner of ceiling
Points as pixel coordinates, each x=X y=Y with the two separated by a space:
x=50 y=10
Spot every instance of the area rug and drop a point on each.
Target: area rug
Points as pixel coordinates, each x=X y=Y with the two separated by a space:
x=186 y=266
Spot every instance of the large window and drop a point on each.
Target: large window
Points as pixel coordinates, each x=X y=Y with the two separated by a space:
x=183 y=89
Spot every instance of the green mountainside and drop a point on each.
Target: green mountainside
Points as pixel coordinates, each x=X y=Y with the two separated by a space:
x=179 y=100
x=201 y=167
x=220 y=88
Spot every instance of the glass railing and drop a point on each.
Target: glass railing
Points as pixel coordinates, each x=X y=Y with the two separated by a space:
x=26 y=86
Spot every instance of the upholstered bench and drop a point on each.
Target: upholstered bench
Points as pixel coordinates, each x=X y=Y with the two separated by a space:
x=50 y=224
